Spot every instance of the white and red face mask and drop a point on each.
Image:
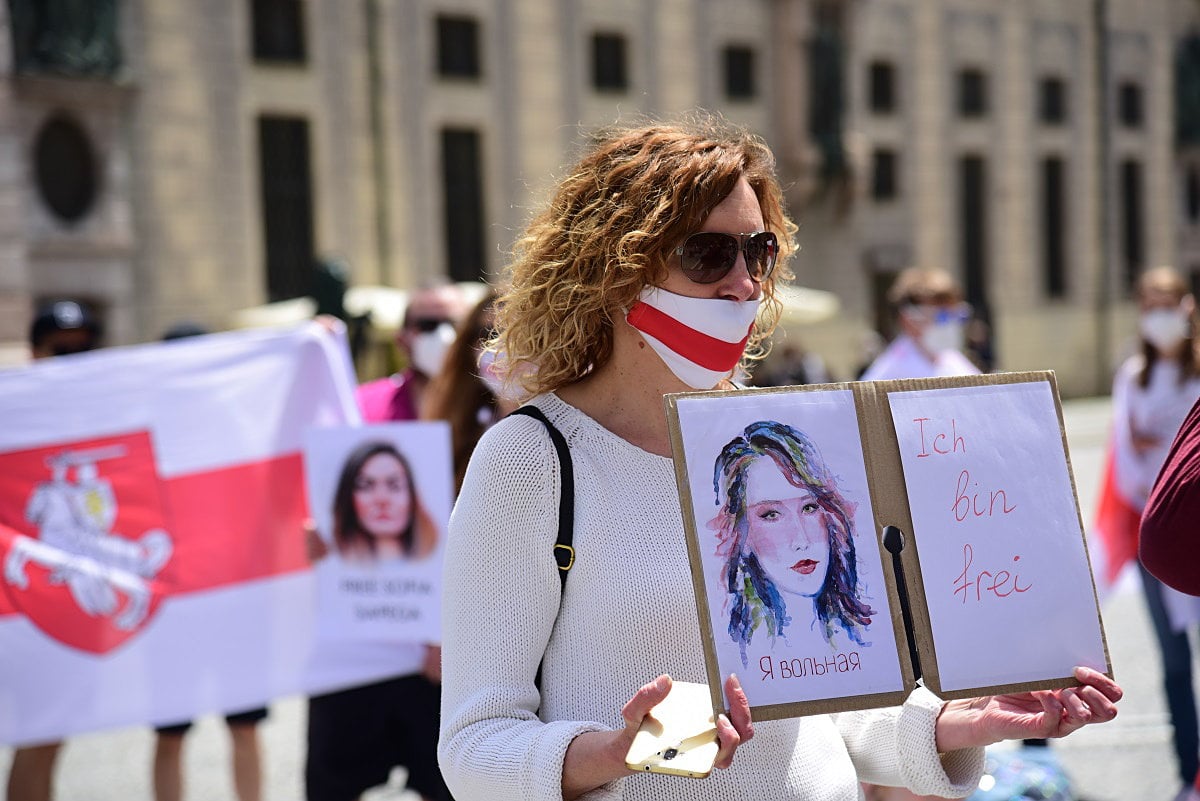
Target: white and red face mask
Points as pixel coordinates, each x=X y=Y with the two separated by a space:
x=700 y=339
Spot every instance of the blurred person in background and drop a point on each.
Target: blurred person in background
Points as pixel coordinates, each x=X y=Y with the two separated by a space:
x=62 y=328
x=794 y=367
x=424 y=338
x=932 y=319
x=59 y=328
x=980 y=348
x=357 y=735
x=467 y=393
x=245 y=751
x=1152 y=394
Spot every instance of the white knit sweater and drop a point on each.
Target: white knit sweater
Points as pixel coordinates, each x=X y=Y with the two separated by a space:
x=628 y=615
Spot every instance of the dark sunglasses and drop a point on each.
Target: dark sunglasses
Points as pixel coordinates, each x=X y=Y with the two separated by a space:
x=708 y=256
x=427 y=325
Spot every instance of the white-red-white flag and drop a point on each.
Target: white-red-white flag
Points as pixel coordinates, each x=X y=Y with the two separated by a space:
x=152 y=555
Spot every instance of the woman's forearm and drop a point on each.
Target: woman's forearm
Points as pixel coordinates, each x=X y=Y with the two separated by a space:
x=594 y=759
x=957 y=726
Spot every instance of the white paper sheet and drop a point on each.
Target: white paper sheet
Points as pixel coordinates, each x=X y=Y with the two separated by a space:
x=1006 y=576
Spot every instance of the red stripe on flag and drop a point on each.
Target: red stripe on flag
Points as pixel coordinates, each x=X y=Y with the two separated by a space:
x=237 y=524
x=695 y=346
x=231 y=525
x=1117 y=522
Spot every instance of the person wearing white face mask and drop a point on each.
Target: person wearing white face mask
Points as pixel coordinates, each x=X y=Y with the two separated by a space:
x=932 y=319
x=357 y=735
x=467 y=393
x=1153 y=391
x=428 y=330
x=652 y=271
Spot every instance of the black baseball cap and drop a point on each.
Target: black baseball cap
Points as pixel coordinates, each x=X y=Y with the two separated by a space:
x=62 y=315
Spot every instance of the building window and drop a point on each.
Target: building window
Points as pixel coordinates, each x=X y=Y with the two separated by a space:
x=881 y=87
x=1052 y=101
x=462 y=215
x=78 y=39
x=973 y=242
x=65 y=168
x=827 y=53
x=1191 y=195
x=739 y=72
x=277 y=30
x=1187 y=91
x=1129 y=104
x=972 y=93
x=609 y=70
x=884 y=174
x=1054 y=227
x=1132 y=235
x=287 y=205
x=458 y=47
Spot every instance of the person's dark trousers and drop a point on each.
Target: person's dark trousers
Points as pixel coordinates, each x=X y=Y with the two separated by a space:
x=1177 y=679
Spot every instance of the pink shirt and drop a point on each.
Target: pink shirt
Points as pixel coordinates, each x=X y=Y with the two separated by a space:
x=387 y=399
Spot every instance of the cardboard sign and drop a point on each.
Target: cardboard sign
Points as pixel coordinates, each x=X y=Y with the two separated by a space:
x=787 y=492
x=381 y=496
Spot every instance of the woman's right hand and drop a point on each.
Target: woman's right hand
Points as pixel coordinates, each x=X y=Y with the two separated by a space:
x=596 y=758
x=732 y=731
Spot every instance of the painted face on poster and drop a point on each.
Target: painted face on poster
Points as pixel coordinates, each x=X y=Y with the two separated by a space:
x=380 y=497
x=792 y=571
x=1003 y=563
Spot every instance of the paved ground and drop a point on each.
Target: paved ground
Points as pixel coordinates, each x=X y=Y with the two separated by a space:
x=1126 y=760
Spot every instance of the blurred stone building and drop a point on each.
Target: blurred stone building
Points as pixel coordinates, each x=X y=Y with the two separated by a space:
x=969 y=135
x=171 y=159
x=219 y=147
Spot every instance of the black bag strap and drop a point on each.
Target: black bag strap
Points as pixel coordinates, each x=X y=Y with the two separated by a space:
x=564 y=551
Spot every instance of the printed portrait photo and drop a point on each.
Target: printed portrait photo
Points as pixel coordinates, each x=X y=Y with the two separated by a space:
x=377 y=512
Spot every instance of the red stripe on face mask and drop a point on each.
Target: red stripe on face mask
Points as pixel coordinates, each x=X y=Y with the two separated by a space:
x=695 y=346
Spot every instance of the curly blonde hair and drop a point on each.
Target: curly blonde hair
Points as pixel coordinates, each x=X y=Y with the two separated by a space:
x=608 y=233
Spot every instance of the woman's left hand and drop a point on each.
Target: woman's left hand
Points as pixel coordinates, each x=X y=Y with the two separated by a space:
x=978 y=722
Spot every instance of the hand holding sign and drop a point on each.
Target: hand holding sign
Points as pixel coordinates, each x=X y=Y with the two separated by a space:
x=1045 y=713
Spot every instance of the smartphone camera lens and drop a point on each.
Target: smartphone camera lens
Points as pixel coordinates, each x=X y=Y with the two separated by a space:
x=670 y=753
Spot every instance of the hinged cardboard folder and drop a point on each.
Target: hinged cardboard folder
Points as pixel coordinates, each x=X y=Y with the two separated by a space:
x=786 y=496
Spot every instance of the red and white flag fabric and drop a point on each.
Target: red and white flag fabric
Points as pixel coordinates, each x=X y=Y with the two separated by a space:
x=151 y=529
x=1113 y=540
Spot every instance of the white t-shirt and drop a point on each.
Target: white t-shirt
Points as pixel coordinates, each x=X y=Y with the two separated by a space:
x=903 y=359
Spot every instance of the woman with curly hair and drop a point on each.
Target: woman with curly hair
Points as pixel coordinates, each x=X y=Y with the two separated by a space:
x=785 y=532
x=653 y=270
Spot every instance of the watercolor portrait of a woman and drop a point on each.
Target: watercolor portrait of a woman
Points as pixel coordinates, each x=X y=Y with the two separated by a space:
x=786 y=536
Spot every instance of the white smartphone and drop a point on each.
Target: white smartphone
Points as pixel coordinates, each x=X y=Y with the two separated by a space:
x=679 y=736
